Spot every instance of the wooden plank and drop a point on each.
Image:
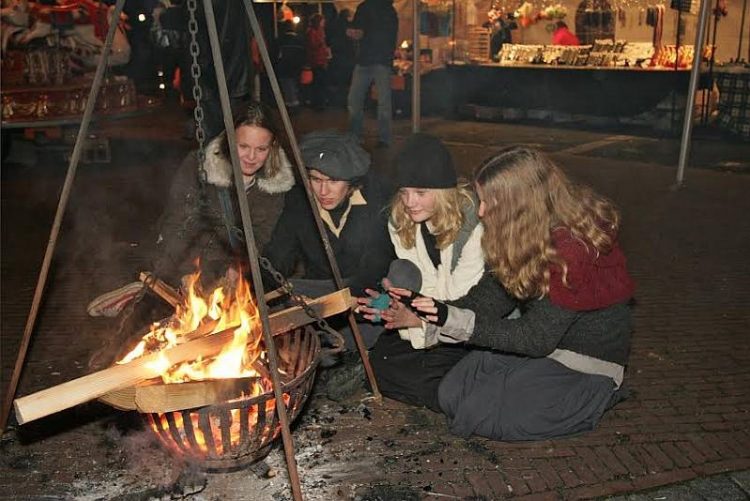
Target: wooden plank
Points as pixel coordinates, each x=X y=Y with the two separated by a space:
x=100 y=384
x=173 y=397
x=66 y=395
x=161 y=289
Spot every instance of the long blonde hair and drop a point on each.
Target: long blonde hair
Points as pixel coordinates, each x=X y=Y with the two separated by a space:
x=450 y=204
x=526 y=196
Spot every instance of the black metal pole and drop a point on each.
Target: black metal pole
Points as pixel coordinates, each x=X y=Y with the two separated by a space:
x=263 y=49
x=706 y=102
x=687 y=127
x=247 y=227
x=61 y=205
x=742 y=30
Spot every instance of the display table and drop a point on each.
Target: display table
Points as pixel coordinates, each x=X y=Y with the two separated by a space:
x=585 y=90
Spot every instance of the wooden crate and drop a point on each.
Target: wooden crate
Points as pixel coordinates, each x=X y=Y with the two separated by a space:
x=478 y=39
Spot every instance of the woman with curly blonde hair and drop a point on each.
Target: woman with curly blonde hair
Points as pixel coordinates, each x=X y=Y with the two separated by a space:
x=551 y=249
x=434 y=226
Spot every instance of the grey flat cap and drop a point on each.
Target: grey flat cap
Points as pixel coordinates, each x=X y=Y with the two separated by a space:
x=336 y=155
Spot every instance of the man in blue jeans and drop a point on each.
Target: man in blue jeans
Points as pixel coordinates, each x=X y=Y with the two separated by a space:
x=375 y=27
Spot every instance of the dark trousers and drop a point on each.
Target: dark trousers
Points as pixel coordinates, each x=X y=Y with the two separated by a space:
x=410 y=375
x=318 y=88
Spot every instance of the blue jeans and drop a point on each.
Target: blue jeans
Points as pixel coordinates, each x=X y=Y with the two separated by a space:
x=361 y=79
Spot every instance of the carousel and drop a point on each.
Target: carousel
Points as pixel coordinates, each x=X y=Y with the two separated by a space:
x=49 y=54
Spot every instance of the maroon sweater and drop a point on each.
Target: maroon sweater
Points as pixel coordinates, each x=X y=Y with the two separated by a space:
x=594 y=280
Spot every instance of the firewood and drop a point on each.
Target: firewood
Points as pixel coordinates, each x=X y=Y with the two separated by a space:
x=83 y=389
x=112 y=385
x=173 y=296
x=161 y=289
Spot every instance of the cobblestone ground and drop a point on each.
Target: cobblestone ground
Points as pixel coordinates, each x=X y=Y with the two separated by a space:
x=688 y=416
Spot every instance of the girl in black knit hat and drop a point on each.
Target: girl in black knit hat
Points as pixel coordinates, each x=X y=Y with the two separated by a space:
x=433 y=224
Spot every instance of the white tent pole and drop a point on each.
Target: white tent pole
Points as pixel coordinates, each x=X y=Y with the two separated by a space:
x=416 y=78
x=687 y=127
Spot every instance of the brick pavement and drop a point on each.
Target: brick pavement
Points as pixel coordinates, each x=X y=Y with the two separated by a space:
x=688 y=416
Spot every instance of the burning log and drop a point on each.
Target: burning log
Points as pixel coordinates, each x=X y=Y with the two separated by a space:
x=114 y=385
x=172 y=295
x=161 y=289
x=83 y=389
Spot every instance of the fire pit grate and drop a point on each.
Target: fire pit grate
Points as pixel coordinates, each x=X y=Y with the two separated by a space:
x=236 y=433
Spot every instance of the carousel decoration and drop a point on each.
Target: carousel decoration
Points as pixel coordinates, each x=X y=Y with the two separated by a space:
x=48 y=55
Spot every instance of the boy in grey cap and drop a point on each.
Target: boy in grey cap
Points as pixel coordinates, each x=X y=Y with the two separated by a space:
x=352 y=204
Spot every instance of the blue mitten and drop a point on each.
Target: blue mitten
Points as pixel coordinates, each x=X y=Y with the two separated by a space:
x=380 y=302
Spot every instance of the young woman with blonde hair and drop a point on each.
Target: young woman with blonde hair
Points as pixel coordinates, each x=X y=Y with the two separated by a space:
x=434 y=226
x=551 y=249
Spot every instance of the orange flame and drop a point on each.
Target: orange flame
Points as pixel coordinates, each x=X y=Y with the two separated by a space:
x=226 y=306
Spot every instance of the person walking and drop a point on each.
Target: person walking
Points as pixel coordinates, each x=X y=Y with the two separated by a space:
x=375 y=27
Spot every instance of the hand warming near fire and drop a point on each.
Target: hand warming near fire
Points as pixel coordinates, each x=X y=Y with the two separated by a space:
x=551 y=251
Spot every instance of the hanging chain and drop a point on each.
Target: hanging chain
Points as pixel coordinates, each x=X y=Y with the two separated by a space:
x=195 y=71
x=299 y=300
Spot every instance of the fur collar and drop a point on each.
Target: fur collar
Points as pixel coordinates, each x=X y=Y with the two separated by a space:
x=219 y=171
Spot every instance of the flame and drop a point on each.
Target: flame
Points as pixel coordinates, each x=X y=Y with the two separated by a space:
x=226 y=306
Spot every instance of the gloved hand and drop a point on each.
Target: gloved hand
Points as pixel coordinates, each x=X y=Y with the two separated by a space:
x=428 y=309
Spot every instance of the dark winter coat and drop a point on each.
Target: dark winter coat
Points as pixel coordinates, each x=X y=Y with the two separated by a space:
x=291 y=50
x=543 y=326
x=189 y=228
x=363 y=249
x=379 y=22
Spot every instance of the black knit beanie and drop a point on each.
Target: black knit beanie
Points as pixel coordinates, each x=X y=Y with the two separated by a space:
x=424 y=162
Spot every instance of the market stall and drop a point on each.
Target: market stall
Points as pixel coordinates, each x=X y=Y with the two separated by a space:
x=630 y=57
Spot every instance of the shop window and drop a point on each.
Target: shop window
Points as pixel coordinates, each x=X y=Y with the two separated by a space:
x=595 y=19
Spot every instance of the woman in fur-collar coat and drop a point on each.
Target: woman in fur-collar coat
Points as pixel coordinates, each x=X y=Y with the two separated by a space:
x=205 y=222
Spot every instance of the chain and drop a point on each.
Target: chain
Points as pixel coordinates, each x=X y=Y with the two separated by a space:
x=298 y=300
x=195 y=71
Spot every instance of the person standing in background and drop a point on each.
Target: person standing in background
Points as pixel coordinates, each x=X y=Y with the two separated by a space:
x=563 y=36
x=318 y=54
x=290 y=62
x=375 y=27
x=342 y=52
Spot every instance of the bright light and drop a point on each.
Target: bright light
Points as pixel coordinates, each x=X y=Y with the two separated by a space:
x=160 y=73
x=141 y=17
x=405 y=44
x=162 y=86
x=296 y=19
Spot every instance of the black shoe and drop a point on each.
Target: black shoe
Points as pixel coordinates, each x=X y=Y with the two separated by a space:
x=345 y=379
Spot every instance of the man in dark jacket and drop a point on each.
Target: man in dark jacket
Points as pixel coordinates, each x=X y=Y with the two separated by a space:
x=234 y=39
x=290 y=63
x=375 y=27
x=352 y=204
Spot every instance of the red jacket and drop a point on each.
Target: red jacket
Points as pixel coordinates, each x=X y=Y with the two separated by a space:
x=316 y=48
x=563 y=36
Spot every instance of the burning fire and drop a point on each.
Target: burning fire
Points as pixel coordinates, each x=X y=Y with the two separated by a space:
x=226 y=307
x=223 y=308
